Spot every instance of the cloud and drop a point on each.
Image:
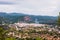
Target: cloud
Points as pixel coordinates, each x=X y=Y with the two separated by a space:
x=38 y=7
x=34 y=7
x=7 y=3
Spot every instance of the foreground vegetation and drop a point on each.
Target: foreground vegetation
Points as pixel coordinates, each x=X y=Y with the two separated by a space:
x=31 y=33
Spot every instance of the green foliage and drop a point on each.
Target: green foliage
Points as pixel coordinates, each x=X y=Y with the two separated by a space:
x=44 y=39
x=11 y=38
x=38 y=38
x=58 y=21
x=2 y=33
x=32 y=31
x=1 y=18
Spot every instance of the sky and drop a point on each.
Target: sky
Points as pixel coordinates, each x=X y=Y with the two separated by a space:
x=32 y=7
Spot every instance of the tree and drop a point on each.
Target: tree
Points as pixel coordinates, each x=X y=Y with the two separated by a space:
x=58 y=21
x=2 y=33
x=3 y=20
x=11 y=38
x=39 y=38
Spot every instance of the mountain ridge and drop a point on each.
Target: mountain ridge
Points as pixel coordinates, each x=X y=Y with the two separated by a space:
x=15 y=17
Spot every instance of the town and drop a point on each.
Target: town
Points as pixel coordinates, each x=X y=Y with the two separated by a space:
x=27 y=30
x=33 y=31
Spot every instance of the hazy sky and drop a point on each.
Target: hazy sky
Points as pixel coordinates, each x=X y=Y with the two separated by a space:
x=34 y=7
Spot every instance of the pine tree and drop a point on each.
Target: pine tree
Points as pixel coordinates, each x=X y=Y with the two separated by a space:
x=58 y=21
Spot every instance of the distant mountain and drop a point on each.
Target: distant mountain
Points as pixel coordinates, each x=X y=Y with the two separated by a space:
x=15 y=17
x=11 y=14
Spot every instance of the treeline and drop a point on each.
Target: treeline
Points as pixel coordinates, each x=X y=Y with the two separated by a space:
x=15 y=17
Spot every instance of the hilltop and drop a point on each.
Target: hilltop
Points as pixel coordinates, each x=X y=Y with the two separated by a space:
x=15 y=17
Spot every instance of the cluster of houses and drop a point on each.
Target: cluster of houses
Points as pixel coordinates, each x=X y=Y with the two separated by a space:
x=26 y=25
x=33 y=26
